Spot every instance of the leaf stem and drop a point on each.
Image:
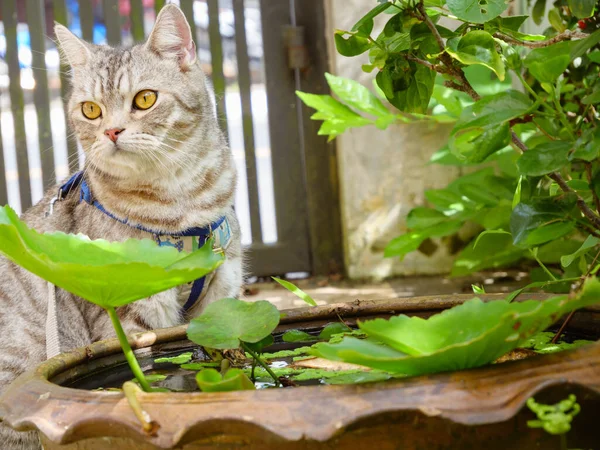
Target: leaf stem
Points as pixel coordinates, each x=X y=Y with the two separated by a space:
x=543 y=266
x=261 y=362
x=129 y=355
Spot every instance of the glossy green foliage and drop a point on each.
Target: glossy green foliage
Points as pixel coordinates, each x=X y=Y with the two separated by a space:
x=226 y=322
x=109 y=274
x=522 y=104
x=210 y=380
x=470 y=335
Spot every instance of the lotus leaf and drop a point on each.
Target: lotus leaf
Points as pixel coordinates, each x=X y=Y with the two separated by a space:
x=470 y=335
x=109 y=274
x=226 y=322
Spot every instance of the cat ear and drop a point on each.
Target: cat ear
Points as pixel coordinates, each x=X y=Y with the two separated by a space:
x=74 y=49
x=171 y=37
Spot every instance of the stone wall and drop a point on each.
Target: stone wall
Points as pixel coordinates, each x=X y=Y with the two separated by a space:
x=383 y=174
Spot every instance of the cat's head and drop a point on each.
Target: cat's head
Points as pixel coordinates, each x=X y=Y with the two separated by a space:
x=135 y=111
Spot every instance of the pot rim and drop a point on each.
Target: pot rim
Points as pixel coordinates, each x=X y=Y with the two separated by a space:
x=496 y=393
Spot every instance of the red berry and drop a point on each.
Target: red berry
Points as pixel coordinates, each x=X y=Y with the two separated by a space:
x=581 y=24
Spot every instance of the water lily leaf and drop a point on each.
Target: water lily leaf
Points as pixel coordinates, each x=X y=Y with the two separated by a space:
x=258 y=347
x=477 y=11
x=209 y=380
x=333 y=328
x=477 y=47
x=109 y=274
x=359 y=377
x=470 y=335
x=226 y=322
x=179 y=359
x=298 y=336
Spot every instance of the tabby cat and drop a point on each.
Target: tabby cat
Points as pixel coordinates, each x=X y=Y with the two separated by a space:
x=155 y=158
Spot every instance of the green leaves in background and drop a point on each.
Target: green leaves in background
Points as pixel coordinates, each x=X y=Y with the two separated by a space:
x=470 y=335
x=510 y=26
x=477 y=11
x=408 y=88
x=491 y=250
x=109 y=274
x=226 y=322
x=582 y=8
x=339 y=117
x=354 y=94
x=477 y=47
x=544 y=158
x=411 y=241
x=210 y=380
x=336 y=116
x=546 y=64
x=587 y=245
x=536 y=213
x=482 y=128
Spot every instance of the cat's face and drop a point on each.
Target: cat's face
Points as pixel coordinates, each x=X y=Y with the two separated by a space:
x=134 y=110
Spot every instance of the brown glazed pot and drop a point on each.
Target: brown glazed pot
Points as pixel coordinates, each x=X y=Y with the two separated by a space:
x=472 y=409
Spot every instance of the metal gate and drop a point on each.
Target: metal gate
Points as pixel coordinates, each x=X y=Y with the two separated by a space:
x=287 y=194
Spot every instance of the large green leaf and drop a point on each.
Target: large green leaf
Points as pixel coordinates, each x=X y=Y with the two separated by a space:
x=421 y=217
x=476 y=144
x=109 y=274
x=470 y=335
x=544 y=158
x=410 y=94
x=357 y=96
x=353 y=45
x=226 y=322
x=538 y=11
x=549 y=233
x=494 y=110
x=546 y=64
x=477 y=11
x=477 y=47
x=536 y=212
x=582 y=8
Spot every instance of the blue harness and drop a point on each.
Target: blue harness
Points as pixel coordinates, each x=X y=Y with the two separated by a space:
x=201 y=233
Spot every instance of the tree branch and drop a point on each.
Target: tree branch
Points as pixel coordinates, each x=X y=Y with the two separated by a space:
x=564 y=36
x=588 y=171
x=435 y=67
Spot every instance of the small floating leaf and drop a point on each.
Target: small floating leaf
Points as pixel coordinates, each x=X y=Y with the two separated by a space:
x=298 y=336
x=179 y=359
x=226 y=322
x=333 y=328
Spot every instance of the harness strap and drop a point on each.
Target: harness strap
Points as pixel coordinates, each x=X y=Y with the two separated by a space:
x=202 y=233
x=52 y=339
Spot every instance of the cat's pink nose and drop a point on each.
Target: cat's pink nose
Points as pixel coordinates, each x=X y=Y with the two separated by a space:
x=113 y=133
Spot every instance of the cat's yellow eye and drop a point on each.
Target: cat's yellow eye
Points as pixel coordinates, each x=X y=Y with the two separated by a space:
x=91 y=110
x=144 y=99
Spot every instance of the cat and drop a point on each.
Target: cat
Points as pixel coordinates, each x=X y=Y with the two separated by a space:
x=156 y=157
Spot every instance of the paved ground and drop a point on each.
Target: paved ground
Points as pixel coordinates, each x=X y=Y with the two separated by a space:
x=326 y=291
